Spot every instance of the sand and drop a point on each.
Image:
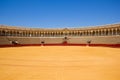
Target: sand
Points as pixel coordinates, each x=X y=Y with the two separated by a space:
x=59 y=63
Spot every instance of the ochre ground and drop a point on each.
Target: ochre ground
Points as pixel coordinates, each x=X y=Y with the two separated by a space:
x=59 y=63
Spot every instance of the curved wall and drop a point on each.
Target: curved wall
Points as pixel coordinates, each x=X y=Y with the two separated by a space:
x=95 y=36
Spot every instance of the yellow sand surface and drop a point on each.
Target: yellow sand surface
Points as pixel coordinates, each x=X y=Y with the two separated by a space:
x=59 y=63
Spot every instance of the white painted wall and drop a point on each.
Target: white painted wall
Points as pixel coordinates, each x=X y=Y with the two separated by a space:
x=59 y=40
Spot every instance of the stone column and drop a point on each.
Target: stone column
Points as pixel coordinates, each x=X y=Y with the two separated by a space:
x=89 y=33
x=97 y=33
x=21 y=33
x=115 y=31
x=0 y=32
x=111 y=31
x=94 y=32
x=108 y=31
x=118 y=31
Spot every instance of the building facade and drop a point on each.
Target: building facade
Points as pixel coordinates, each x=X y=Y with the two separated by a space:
x=106 y=35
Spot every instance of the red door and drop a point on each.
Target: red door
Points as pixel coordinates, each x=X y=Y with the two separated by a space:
x=65 y=43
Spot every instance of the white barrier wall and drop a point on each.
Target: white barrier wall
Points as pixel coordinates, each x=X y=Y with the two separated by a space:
x=60 y=40
x=52 y=40
x=95 y=40
x=4 y=41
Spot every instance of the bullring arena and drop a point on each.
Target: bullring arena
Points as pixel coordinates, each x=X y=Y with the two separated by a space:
x=91 y=53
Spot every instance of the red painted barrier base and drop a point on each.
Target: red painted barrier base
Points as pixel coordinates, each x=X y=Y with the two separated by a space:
x=63 y=44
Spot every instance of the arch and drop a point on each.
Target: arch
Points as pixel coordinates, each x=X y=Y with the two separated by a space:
x=109 y=32
x=106 y=33
x=29 y=34
x=74 y=33
x=89 y=33
x=61 y=33
x=100 y=33
x=3 y=32
x=24 y=33
x=96 y=32
x=86 y=33
x=21 y=33
x=10 y=33
x=6 y=33
x=41 y=34
x=114 y=32
x=93 y=33
x=69 y=33
x=50 y=34
x=0 y=32
x=118 y=31
x=17 y=33
x=78 y=33
x=14 y=33
x=81 y=33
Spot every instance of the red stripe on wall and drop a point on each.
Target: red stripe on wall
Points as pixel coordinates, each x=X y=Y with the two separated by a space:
x=64 y=44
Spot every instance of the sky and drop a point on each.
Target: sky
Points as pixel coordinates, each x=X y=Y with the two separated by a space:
x=59 y=13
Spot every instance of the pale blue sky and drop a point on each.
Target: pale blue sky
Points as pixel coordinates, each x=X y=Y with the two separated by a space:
x=59 y=13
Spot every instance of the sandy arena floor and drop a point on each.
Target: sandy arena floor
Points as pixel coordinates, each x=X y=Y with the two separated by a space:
x=59 y=63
